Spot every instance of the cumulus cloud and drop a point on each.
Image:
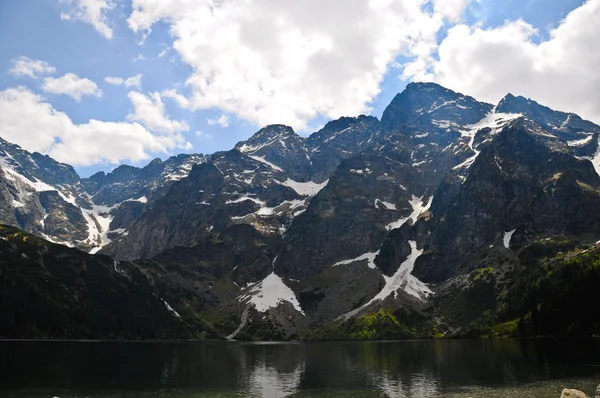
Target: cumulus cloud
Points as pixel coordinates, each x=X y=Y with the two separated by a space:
x=561 y=72
x=24 y=66
x=71 y=85
x=28 y=120
x=273 y=61
x=115 y=81
x=90 y=11
x=134 y=81
x=150 y=111
x=222 y=121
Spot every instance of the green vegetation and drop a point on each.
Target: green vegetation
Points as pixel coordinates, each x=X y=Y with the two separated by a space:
x=558 y=297
x=482 y=273
x=382 y=325
x=553 y=294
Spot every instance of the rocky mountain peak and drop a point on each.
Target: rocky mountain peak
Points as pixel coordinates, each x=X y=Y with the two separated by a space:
x=544 y=115
x=281 y=148
x=155 y=162
x=123 y=172
x=531 y=109
x=343 y=132
x=36 y=165
x=267 y=136
x=429 y=103
x=580 y=134
x=344 y=123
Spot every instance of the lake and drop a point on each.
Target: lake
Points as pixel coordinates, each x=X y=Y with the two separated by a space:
x=437 y=368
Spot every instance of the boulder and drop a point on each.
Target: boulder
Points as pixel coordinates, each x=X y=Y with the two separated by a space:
x=598 y=391
x=567 y=393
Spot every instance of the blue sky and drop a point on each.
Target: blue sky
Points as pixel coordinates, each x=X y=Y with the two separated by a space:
x=35 y=29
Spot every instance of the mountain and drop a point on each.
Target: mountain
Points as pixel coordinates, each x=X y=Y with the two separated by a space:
x=49 y=199
x=424 y=223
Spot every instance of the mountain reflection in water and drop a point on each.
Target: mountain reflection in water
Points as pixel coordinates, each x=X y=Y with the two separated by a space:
x=458 y=368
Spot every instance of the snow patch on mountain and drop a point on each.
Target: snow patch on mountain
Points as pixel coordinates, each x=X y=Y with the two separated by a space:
x=370 y=257
x=304 y=188
x=507 y=237
x=98 y=220
x=287 y=205
x=170 y=309
x=269 y=293
x=595 y=159
x=244 y=198
x=581 y=142
x=419 y=207
x=492 y=120
x=142 y=199
x=401 y=280
x=263 y=160
x=444 y=124
x=386 y=205
x=284 y=213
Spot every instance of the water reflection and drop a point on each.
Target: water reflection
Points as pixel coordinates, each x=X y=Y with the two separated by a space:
x=270 y=370
x=389 y=369
x=266 y=381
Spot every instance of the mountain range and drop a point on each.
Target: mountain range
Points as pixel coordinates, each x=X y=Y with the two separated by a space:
x=449 y=216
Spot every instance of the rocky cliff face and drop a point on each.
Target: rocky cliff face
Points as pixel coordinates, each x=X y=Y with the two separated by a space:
x=409 y=218
x=524 y=183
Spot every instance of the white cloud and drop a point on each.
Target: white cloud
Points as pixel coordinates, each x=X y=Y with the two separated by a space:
x=134 y=81
x=24 y=66
x=71 y=85
x=163 y=53
x=27 y=120
x=150 y=111
x=115 y=81
x=273 y=61
x=450 y=9
x=222 y=121
x=90 y=11
x=181 y=100
x=561 y=72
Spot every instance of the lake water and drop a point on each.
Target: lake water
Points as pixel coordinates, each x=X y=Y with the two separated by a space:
x=456 y=368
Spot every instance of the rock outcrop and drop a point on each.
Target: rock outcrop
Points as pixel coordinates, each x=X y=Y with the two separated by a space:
x=568 y=393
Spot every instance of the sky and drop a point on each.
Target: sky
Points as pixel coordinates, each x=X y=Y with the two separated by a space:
x=98 y=83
